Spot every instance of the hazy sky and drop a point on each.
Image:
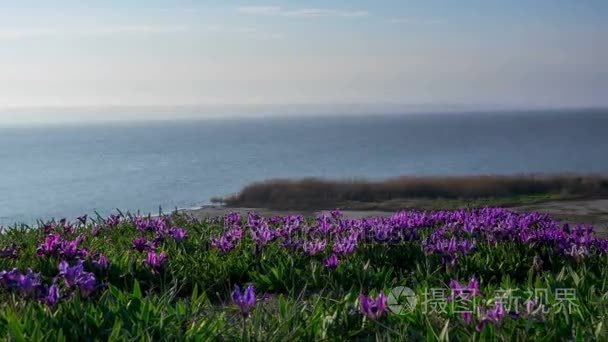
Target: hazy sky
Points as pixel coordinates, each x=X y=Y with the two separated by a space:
x=169 y=52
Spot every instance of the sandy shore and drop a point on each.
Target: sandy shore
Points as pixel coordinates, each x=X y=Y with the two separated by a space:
x=591 y=211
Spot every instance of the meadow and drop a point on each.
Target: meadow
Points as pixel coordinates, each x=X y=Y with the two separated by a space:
x=466 y=274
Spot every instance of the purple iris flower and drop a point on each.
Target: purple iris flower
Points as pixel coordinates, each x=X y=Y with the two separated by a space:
x=235 y=234
x=101 y=262
x=27 y=284
x=142 y=223
x=578 y=252
x=261 y=235
x=68 y=227
x=71 y=249
x=178 y=233
x=50 y=245
x=47 y=227
x=140 y=244
x=75 y=276
x=495 y=315
x=156 y=261
x=113 y=220
x=232 y=219
x=465 y=291
x=244 y=300
x=70 y=274
x=336 y=214
x=332 y=261
x=467 y=317
x=371 y=307
x=86 y=283
x=530 y=306
x=52 y=296
x=254 y=220
x=9 y=279
x=157 y=240
x=314 y=247
x=345 y=245
x=10 y=252
x=224 y=243
x=95 y=230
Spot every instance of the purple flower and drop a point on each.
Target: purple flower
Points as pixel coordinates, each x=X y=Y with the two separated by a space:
x=71 y=250
x=101 y=262
x=9 y=279
x=75 y=276
x=314 y=247
x=50 y=245
x=254 y=220
x=497 y=313
x=68 y=227
x=244 y=300
x=336 y=214
x=140 y=244
x=372 y=308
x=235 y=234
x=156 y=261
x=47 y=226
x=95 y=230
x=10 y=252
x=70 y=274
x=29 y=283
x=178 y=233
x=578 y=252
x=494 y=316
x=530 y=306
x=52 y=296
x=345 y=245
x=86 y=283
x=157 y=240
x=332 y=261
x=232 y=219
x=261 y=235
x=464 y=291
x=142 y=223
x=113 y=220
x=224 y=243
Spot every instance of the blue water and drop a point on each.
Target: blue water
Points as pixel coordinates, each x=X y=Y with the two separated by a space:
x=65 y=171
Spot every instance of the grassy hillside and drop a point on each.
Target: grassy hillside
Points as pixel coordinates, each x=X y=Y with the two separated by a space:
x=488 y=274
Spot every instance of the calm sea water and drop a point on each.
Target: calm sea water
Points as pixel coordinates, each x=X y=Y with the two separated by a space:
x=67 y=171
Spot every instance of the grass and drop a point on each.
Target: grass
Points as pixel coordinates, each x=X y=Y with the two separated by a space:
x=416 y=192
x=189 y=299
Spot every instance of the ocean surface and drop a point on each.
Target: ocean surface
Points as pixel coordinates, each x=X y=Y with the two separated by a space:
x=66 y=171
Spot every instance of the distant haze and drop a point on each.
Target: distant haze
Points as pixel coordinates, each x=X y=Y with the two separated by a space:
x=228 y=58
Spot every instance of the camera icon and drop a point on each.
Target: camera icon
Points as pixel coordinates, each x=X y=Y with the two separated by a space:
x=402 y=300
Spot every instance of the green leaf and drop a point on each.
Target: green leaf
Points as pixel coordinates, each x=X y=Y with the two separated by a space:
x=14 y=328
x=136 y=290
x=443 y=336
x=116 y=331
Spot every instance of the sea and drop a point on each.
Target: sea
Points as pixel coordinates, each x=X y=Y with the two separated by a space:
x=56 y=171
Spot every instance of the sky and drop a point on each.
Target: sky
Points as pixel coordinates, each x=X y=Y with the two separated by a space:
x=298 y=54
